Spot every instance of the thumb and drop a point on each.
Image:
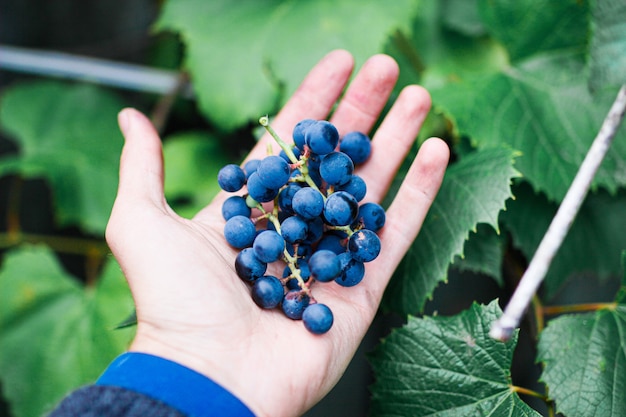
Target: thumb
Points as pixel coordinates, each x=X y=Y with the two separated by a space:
x=141 y=163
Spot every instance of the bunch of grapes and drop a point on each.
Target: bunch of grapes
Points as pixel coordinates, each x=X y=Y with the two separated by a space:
x=312 y=219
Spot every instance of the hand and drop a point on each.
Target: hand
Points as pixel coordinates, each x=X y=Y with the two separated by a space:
x=191 y=306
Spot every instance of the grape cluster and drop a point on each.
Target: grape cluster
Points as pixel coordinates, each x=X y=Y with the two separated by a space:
x=312 y=219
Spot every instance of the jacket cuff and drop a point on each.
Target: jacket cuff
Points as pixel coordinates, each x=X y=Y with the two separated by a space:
x=175 y=385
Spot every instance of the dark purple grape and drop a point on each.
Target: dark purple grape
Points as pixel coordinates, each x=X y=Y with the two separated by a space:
x=248 y=266
x=317 y=318
x=294 y=229
x=239 y=231
x=267 y=291
x=324 y=265
x=340 y=209
x=322 y=137
x=294 y=303
x=336 y=168
x=352 y=271
x=258 y=191
x=372 y=216
x=355 y=186
x=231 y=178
x=364 y=245
x=308 y=203
x=357 y=146
x=269 y=246
x=298 y=132
x=273 y=172
x=235 y=206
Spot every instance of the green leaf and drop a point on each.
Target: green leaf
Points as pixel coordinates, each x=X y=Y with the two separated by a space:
x=446 y=366
x=246 y=57
x=483 y=253
x=55 y=335
x=528 y=27
x=584 y=358
x=607 y=55
x=67 y=134
x=544 y=110
x=473 y=191
x=591 y=246
x=434 y=55
x=192 y=161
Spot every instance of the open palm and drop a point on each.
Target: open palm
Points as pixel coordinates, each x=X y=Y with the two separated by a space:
x=191 y=306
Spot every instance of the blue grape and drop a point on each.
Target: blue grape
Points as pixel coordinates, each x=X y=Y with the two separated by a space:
x=299 y=131
x=364 y=245
x=308 y=203
x=296 y=152
x=267 y=291
x=259 y=191
x=273 y=172
x=294 y=229
x=332 y=242
x=324 y=265
x=322 y=137
x=293 y=304
x=231 y=178
x=235 y=206
x=340 y=209
x=285 y=197
x=251 y=166
x=269 y=246
x=239 y=231
x=352 y=271
x=317 y=318
x=336 y=168
x=292 y=283
x=357 y=146
x=372 y=216
x=248 y=267
x=355 y=186
x=316 y=230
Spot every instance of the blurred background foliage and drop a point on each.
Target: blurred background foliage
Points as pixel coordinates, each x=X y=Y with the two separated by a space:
x=519 y=91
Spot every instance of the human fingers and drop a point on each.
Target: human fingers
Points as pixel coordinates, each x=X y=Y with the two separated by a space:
x=405 y=215
x=367 y=95
x=140 y=185
x=314 y=98
x=393 y=140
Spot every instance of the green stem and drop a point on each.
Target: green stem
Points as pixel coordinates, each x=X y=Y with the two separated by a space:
x=265 y=122
x=577 y=308
x=532 y=393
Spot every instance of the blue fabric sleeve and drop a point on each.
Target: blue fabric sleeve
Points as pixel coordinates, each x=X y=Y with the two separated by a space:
x=175 y=385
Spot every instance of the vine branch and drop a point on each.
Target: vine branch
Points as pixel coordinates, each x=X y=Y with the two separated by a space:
x=503 y=328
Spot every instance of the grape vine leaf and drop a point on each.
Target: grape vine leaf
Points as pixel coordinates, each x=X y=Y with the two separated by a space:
x=540 y=102
x=55 y=334
x=245 y=58
x=192 y=161
x=584 y=359
x=483 y=253
x=446 y=366
x=607 y=57
x=474 y=190
x=544 y=110
x=67 y=134
x=528 y=27
x=591 y=246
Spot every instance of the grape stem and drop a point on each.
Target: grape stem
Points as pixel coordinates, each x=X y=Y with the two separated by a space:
x=290 y=260
x=503 y=328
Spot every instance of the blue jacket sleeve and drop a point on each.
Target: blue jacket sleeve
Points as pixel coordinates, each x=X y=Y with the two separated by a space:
x=158 y=382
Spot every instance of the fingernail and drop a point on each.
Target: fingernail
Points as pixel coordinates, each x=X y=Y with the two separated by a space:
x=124 y=120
